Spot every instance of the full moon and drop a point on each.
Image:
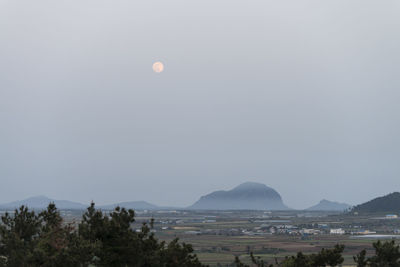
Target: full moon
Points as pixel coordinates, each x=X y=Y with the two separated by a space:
x=158 y=67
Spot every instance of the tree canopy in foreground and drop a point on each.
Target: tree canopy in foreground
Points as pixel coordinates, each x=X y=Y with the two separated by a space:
x=44 y=239
x=30 y=239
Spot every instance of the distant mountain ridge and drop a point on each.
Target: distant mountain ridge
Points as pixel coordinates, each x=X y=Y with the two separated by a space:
x=326 y=205
x=247 y=196
x=41 y=202
x=389 y=203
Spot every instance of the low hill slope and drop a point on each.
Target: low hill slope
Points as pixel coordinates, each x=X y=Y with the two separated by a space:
x=389 y=203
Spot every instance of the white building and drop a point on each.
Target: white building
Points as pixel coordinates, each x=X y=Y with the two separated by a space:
x=338 y=231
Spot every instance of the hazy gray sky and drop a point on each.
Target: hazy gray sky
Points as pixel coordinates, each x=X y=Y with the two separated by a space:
x=300 y=95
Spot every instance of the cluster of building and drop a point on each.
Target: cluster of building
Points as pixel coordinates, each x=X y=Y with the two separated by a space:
x=282 y=230
x=205 y=225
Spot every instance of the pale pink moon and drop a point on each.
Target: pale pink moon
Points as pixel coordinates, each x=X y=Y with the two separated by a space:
x=158 y=67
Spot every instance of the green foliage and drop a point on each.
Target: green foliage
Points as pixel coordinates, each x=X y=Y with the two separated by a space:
x=111 y=236
x=19 y=236
x=326 y=257
x=177 y=254
x=30 y=239
x=386 y=254
x=360 y=259
x=256 y=261
x=44 y=239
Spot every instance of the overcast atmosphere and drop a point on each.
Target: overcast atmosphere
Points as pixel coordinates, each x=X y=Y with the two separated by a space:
x=302 y=96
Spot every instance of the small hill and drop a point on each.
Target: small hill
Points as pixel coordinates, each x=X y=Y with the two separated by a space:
x=389 y=203
x=41 y=202
x=136 y=205
x=326 y=205
x=247 y=196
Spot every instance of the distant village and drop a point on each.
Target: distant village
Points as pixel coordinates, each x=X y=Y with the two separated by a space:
x=289 y=225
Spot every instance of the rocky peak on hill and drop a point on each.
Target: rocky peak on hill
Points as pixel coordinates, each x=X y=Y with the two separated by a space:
x=247 y=196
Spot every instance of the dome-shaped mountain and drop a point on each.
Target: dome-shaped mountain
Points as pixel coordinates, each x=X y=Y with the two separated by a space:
x=247 y=196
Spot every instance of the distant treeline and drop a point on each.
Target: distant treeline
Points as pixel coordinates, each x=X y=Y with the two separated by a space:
x=387 y=254
x=44 y=239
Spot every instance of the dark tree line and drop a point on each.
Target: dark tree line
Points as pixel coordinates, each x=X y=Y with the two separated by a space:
x=326 y=257
x=387 y=254
x=44 y=239
x=30 y=239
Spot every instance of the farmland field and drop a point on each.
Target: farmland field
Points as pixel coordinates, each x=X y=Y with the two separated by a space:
x=217 y=237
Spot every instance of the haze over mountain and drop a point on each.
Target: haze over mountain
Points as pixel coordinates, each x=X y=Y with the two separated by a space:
x=41 y=202
x=389 y=203
x=247 y=196
x=326 y=205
